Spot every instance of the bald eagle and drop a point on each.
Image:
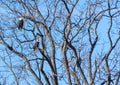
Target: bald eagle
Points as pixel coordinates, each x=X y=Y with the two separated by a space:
x=20 y=23
x=36 y=45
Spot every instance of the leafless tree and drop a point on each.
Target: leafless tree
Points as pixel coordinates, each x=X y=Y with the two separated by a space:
x=69 y=42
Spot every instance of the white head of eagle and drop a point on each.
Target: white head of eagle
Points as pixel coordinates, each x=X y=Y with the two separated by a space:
x=20 y=23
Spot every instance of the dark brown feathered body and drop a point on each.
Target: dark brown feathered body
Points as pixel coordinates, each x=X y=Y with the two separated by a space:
x=36 y=45
x=20 y=24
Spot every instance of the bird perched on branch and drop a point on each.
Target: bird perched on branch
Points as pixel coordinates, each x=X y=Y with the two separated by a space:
x=36 y=45
x=20 y=23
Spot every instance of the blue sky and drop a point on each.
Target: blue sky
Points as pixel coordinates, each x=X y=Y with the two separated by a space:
x=101 y=47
